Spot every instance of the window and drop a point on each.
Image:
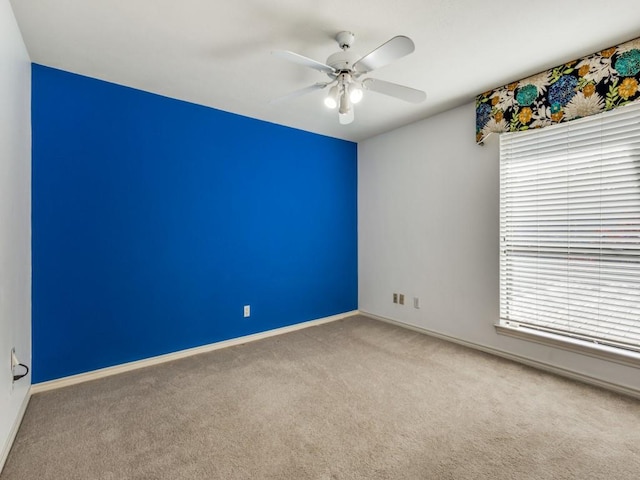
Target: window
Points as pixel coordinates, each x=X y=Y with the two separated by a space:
x=570 y=234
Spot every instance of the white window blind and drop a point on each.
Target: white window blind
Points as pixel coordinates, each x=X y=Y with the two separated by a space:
x=570 y=229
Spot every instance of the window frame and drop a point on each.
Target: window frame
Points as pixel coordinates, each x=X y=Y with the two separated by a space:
x=589 y=347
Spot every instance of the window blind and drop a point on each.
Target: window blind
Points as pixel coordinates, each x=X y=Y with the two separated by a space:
x=570 y=228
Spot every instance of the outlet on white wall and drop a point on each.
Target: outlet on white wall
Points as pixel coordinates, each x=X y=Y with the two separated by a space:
x=14 y=359
x=13 y=364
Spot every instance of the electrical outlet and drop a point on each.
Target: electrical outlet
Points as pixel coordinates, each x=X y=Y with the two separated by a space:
x=416 y=302
x=14 y=360
x=401 y=299
x=13 y=364
x=247 y=311
x=395 y=298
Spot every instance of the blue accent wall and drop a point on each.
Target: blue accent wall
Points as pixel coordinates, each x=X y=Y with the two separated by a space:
x=155 y=220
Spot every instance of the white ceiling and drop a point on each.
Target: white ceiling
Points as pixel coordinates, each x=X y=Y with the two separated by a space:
x=217 y=53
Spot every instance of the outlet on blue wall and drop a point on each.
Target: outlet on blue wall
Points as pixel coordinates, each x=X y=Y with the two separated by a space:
x=155 y=221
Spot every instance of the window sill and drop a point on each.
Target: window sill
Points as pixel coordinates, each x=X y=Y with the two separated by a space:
x=604 y=352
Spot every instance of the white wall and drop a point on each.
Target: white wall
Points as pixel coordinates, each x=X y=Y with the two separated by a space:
x=428 y=200
x=15 y=220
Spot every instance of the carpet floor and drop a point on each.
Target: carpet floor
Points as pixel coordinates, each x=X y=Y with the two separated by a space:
x=352 y=399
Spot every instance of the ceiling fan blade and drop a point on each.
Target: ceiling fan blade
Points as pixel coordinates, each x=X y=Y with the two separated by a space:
x=302 y=60
x=386 y=53
x=407 y=94
x=298 y=93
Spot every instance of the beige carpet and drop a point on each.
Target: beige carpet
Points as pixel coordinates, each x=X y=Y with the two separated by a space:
x=351 y=399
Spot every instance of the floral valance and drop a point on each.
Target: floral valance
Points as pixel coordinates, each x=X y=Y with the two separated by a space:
x=590 y=85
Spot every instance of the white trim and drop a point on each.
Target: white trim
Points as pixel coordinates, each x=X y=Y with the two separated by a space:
x=14 y=430
x=147 y=362
x=564 y=372
x=604 y=352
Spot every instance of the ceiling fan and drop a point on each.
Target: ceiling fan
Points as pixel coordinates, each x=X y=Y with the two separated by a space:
x=345 y=69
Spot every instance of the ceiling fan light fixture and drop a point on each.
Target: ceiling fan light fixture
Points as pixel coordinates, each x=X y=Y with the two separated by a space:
x=345 y=104
x=355 y=92
x=347 y=117
x=331 y=100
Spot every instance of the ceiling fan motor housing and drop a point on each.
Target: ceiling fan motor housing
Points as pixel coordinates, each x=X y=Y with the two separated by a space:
x=343 y=61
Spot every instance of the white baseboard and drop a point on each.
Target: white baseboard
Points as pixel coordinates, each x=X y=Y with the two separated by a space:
x=564 y=372
x=147 y=362
x=14 y=430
